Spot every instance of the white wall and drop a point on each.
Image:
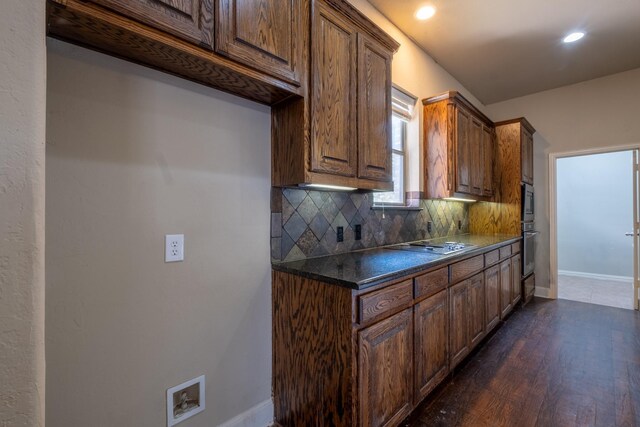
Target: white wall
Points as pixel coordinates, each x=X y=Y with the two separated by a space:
x=134 y=154
x=595 y=209
x=593 y=114
x=22 y=135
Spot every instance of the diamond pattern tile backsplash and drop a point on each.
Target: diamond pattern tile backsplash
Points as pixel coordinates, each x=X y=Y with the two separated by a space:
x=304 y=223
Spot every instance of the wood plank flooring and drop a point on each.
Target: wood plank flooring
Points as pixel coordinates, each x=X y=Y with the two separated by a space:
x=553 y=363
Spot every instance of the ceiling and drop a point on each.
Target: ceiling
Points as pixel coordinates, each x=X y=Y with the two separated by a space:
x=502 y=49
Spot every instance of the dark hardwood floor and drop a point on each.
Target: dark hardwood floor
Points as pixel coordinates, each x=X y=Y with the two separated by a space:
x=553 y=363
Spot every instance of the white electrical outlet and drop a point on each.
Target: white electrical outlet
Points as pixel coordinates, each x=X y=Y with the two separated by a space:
x=174 y=247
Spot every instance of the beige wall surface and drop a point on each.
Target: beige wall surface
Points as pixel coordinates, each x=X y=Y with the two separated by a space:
x=132 y=155
x=22 y=135
x=416 y=72
x=598 y=113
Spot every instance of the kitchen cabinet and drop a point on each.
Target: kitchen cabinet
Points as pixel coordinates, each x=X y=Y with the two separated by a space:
x=458 y=149
x=265 y=34
x=527 y=155
x=431 y=320
x=242 y=47
x=191 y=20
x=505 y=288
x=385 y=365
x=476 y=306
x=341 y=133
x=492 y=296
x=384 y=348
x=516 y=292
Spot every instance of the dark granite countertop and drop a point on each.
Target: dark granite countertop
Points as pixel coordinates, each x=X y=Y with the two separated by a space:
x=362 y=269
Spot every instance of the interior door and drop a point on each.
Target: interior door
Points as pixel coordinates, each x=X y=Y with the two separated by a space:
x=636 y=230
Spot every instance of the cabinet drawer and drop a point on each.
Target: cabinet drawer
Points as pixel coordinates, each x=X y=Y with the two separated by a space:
x=431 y=283
x=491 y=257
x=515 y=248
x=465 y=268
x=505 y=252
x=377 y=304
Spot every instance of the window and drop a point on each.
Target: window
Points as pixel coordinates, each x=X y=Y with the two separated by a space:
x=402 y=106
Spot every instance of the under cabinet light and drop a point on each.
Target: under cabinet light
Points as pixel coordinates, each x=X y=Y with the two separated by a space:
x=459 y=199
x=328 y=187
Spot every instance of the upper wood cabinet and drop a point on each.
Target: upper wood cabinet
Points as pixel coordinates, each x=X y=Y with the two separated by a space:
x=515 y=138
x=527 y=155
x=459 y=149
x=263 y=34
x=191 y=20
x=259 y=45
x=386 y=370
x=341 y=133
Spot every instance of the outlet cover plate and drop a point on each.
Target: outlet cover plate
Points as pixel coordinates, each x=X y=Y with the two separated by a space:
x=174 y=247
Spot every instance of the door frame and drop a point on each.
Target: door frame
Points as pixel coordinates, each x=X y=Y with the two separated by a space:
x=553 y=213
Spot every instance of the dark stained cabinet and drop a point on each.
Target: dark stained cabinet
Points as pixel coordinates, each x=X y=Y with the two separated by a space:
x=505 y=288
x=458 y=149
x=341 y=134
x=488 y=155
x=386 y=370
x=191 y=20
x=516 y=291
x=333 y=94
x=374 y=110
x=476 y=306
x=431 y=323
x=492 y=296
x=459 y=322
x=263 y=34
x=527 y=155
x=463 y=152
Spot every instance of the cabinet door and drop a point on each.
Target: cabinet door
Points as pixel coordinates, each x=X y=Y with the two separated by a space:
x=477 y=158
x=516 y=292
x=333 y=94
x=431 y=322
x=492 y=296
x=463 y=152
x=374 y=110
x=476 y=309
x=488 y=153
x=263 y=34
x=385 y=369
x=191 y=20
x=458 y=323
x=527 y=156
x=505 y=288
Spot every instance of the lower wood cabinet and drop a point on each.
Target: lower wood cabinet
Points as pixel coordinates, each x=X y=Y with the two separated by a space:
x=346 y=357
x=475 y=306
x=516 y=291
x=505 y=288
x=385 y=361
x=431 y=343
x=492 y=296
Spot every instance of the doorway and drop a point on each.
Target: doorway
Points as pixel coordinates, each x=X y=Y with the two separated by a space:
x=595 y=234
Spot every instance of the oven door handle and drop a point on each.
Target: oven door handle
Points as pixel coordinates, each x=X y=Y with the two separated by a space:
x=531 y=233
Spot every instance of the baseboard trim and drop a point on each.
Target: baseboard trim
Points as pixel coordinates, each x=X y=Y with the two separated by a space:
x=260 y=415
x=543 y=293
x=596 y=276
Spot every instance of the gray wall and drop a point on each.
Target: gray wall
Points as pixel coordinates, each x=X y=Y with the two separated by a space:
x=593 y=114
x=22 y=135
x=132 y=155
x=595 y=209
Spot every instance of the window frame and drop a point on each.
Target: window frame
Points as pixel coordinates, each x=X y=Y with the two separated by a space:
x=402 y=107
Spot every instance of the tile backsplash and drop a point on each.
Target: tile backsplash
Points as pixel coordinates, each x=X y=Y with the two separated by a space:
x=304 y=222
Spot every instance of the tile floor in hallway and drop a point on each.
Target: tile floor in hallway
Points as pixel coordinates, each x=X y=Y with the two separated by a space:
x=596 y=291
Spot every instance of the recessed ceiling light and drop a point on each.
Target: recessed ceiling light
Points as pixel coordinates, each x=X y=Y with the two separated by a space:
x=573 y=37
x=425 y=12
